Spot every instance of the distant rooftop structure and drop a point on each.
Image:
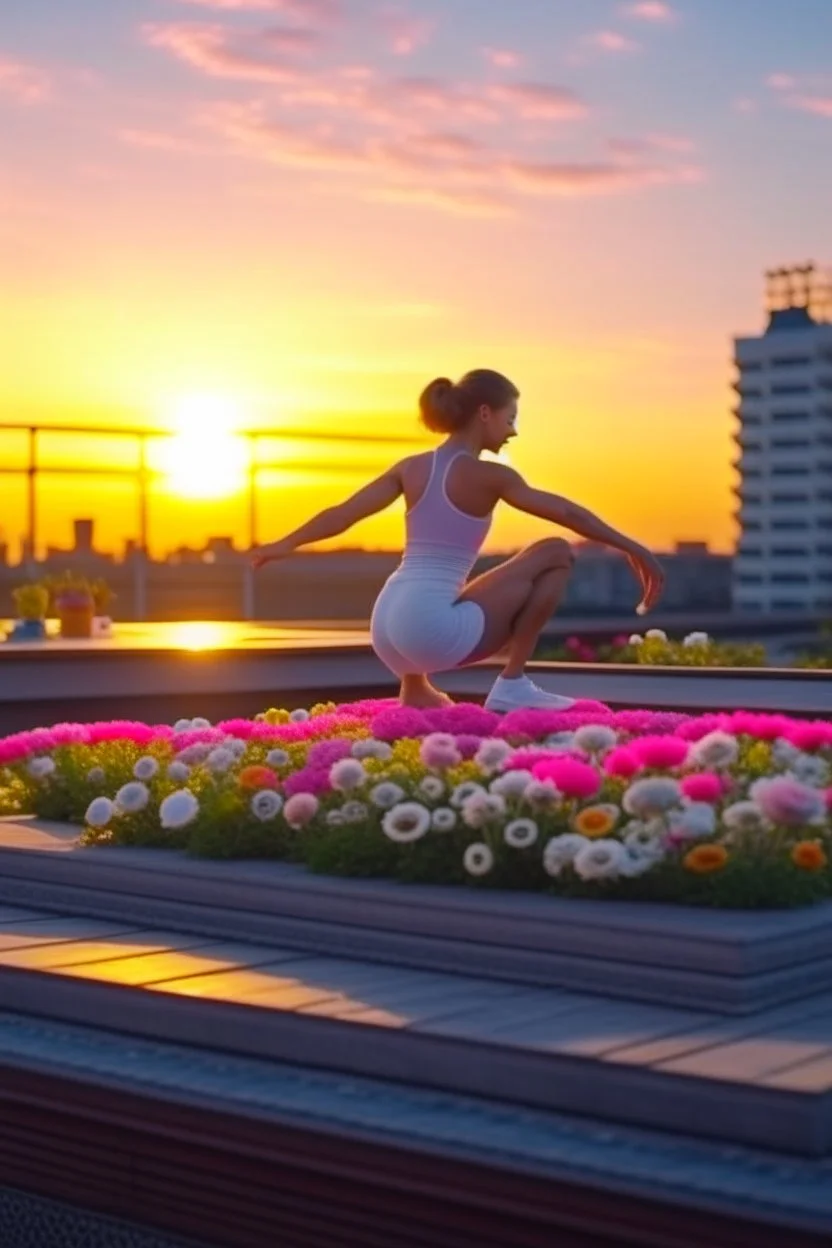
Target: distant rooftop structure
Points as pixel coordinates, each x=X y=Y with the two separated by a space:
x=797 y=297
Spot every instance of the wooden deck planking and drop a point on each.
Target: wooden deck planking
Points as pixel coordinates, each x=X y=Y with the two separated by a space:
x=49 y=931
x=76 y=952
x=757 y=1056
x=202 y=959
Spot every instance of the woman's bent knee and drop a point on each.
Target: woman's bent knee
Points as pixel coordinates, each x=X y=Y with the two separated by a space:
x=552 y=553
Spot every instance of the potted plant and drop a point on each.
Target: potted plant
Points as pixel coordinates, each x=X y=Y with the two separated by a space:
x=102 y=596
x=74 y=606
x=31 y=603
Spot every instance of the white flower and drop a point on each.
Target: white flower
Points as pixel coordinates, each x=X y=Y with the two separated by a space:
x=199 y=722
x=178 y=809
x=560 y=851
x=277 y=758
x=443 y=819
x=386 y=794
x=347 y=774
x=694 y=822
x=372 y=749
x=178 y=771
x=656 y=634
x=266 y=805
x=783 y=752
x=716 y=749
x=220 y=760
x=299 y=716
x=559 y=741
x=146 y=768
x=439 y=750
x=481 y=808
x=432 y=788
x=644 y=839
x=354 y=812
x=132 y=798
x=95 y=775
x=40 y=768
x=492 y=754
x=652 y=796
x=478 y=859
x=635 y=639
x=696 y=639
x=521 y=833
x=182 y=725
x=635 y=862
x=810 y=769
x=542 y=795
x=99 y=812
x=601 y=860
x=511 y=783
x=195 y=754
x=465 y=790
x=595 y=738
x=235 y=746
x=409 y=821
x=744 y=817
x=335 y=819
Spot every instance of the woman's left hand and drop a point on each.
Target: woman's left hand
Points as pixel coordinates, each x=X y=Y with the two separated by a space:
x=269 y=554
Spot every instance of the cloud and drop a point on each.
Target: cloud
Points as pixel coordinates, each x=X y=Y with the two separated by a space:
x=535 y=101
x=809 y=95
x=650 y=11
x=503 y=58
x=24 y=83
x=309 y=12
x=627 y=149
x=780 y=82
x=405 y=31
x=820 y=105
x=611 y=41
x=745 y=104
x=267 y=56
x=598 y=178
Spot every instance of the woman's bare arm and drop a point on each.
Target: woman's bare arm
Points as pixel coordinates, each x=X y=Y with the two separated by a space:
x=513 y=490
x=332 y=521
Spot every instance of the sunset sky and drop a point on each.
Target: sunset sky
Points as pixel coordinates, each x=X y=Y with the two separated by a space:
x=297 y=212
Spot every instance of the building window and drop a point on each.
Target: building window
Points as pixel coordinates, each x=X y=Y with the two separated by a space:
x=752 y=474
x=788 y=417
x=753 y=446
x=787 y=604
x=791 y=444
x=823 y=549
x=747 y=578
x=790 y=470
x=752 y=526
x=790 y=526
x=783 y=388
x=788 y=552
x=749 y=606
x=748 y=420
x=789 y=578
x=751 y=366
x=750 y=552
x=790 y=498
x=790 y=361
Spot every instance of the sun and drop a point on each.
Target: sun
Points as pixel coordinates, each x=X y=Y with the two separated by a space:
x=205 y=458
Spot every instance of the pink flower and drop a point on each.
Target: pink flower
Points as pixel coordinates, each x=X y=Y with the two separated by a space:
x=464 y=717
x=787 y=801
x=621 y=762
x=573 y=643
x=468 y=743
x=572 y=778
x=703 y=786
x=810 y=736
x=525 y=758
x=398 y=722
x=438 y=750
x=763 y=727
x=828 y=796
x=307 y=780
x=586 y=654
x=325 y=753
x=301 y=809
x=660 y=752
x=620 y=640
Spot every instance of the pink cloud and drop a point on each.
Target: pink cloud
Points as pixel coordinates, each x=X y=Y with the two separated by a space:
x=24 y=83
x=611 y=41
x=650 y=11
x=744 y=104
x=311 y=12
x=503 y=58
x=406 y=32
x=601 y=178
x=780 y=82
x=266 y=57
x=820 y=105
x=812 y=94
x=538 y=101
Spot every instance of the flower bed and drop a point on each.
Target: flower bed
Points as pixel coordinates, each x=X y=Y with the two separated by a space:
x=724 y=810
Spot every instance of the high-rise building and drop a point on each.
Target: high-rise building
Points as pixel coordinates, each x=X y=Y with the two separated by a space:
x=784 y=434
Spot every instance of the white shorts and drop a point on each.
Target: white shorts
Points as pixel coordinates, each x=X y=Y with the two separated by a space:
x=417 y=629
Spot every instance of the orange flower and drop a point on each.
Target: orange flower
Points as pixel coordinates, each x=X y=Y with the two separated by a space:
x=596 y=821
x=705 y=858
x=810 y=855
x=255 y=777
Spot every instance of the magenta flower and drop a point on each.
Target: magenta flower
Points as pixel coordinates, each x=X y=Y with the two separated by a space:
x=660 y=752
x=622 y=762
x=703 y=786
x=810 y=736
x=398 y=722
x=572 y=778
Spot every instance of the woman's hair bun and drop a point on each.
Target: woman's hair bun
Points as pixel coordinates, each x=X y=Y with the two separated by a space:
x=439 y=406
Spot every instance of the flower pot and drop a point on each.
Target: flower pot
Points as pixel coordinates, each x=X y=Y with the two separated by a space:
x=75 y=612
x=28 y=630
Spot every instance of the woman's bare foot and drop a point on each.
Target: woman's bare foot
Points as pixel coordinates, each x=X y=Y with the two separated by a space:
x=417 y=691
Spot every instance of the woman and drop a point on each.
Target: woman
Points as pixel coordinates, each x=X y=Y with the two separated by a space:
x=428 y=617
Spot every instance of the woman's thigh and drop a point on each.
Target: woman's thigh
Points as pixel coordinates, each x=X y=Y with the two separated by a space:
x=502 y=592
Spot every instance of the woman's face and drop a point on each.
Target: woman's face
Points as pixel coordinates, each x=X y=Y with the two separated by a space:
x=499 y=425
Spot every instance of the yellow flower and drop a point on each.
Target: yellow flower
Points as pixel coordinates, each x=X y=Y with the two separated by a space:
x=467 y=770
x=323 y=708
x=705 y=858
x=276 y=716
x=758 y=758
x=595 y=821
x=809 y=855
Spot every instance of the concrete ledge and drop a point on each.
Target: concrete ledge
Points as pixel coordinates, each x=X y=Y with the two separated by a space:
x=731 y=962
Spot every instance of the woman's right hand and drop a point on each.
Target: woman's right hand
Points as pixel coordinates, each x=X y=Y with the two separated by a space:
x=650 y=574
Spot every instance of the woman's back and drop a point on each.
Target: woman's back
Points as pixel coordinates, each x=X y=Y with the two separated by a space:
x=441 y=537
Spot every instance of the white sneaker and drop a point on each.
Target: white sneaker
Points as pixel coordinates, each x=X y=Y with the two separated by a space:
x=512 y=695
